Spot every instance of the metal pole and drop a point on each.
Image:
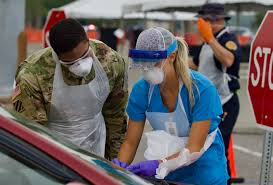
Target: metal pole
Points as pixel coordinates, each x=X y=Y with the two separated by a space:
x=266 y=159
x=173 y=23
x=238 y=13
x=121 y=20
x=145 y=20
x=21 y=47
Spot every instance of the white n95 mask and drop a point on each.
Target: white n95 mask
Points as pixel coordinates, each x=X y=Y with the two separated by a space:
x=154 y=76
x=82 y=67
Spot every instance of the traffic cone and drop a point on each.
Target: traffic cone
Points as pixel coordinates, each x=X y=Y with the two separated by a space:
x=232 y=165
x=231 y=159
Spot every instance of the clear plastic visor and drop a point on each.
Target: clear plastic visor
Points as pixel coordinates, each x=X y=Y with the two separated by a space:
x=144 y=59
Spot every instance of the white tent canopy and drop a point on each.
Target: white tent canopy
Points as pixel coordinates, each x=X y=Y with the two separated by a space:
x=163 y=16
x=160 y=4
x=193 y=5
x=96 y=9
x=105 y=9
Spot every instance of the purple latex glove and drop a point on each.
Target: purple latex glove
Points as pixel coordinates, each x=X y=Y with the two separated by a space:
x=145 y=168
x=119 y=163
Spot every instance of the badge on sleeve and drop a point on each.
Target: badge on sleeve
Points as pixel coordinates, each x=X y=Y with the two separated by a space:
x=17 y=103
x=231 y=45
x=18 y=106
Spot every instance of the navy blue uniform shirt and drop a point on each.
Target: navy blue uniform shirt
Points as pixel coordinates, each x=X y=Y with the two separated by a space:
x=230 y=42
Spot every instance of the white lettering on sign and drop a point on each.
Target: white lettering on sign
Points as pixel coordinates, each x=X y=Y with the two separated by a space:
x=270 y=73
x=266 y=51
x=259 y=52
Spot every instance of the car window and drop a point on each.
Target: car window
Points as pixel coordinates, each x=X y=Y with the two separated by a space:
x=240 y=30
x=49 y=135
x=13 y=171
x=21 y=163
x=101 y=163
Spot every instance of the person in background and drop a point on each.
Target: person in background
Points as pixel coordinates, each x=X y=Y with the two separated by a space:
x=219 y=60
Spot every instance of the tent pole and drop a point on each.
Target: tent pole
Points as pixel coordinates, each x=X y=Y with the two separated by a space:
x=173 y=23
x=238 y=11
x=121 y=21
x=145 y=20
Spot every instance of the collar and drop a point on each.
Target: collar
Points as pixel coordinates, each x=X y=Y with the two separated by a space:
x=220 y=32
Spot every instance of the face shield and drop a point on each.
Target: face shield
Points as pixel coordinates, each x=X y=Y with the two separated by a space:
x=147 y=59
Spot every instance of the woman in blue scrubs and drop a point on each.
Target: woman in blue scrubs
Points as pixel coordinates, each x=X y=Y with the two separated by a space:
x=177 y=100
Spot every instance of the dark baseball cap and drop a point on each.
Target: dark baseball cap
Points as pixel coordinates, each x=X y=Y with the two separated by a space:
x=213 y=11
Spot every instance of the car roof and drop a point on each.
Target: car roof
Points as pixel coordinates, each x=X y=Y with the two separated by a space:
x=92 y=167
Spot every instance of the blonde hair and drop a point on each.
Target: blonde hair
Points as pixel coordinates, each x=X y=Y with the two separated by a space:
x=182 y=68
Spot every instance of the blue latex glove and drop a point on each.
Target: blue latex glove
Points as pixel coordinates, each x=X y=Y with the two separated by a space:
x=119 y=163
x=144 y=168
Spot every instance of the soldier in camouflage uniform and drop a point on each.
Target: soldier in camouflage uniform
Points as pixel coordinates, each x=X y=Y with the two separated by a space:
x=34 y=80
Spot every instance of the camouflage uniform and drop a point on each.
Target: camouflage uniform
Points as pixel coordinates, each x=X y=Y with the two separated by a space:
x=34 y=79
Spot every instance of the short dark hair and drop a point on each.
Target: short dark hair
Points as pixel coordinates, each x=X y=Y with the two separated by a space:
x=66 y=35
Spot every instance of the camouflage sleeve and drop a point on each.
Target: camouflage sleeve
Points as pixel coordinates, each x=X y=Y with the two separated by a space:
x=27 y=98
x=114 y=107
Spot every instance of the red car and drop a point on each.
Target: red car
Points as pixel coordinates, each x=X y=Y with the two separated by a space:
x=31 y=154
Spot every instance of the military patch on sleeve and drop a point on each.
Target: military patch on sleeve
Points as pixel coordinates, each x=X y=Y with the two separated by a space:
x=231 y=45
x=16 y=92
x=18 y=105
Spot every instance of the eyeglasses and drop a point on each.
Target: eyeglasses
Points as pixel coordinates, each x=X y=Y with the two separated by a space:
x=85 y=55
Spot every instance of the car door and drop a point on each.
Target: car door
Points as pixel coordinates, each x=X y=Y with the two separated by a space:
x=23 y=164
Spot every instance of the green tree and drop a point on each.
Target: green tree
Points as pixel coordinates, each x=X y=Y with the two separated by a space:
x=37 y=10
x=34 y=13
x=49 y=4
x=258 y=19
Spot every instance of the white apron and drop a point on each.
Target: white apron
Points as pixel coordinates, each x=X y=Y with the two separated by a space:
x=208 y=68
x=75 y=111
x=163 y=145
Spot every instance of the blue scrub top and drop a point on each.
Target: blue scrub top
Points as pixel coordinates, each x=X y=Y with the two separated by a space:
x=211 y=167
x=207 y=101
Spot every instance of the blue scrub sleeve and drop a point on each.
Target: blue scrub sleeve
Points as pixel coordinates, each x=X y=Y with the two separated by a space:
x=207 y=105
x=138 y=101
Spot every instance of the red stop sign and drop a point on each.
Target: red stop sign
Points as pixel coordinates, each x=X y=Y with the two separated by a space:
x=53 y=17
x=260 y=78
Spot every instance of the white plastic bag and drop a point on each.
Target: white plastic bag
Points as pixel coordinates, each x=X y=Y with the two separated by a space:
x=161 y=144
x=185 y=158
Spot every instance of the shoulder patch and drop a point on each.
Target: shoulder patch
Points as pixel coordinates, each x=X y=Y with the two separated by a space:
x=231 y=45
x=18 y=105
x=16 y=92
